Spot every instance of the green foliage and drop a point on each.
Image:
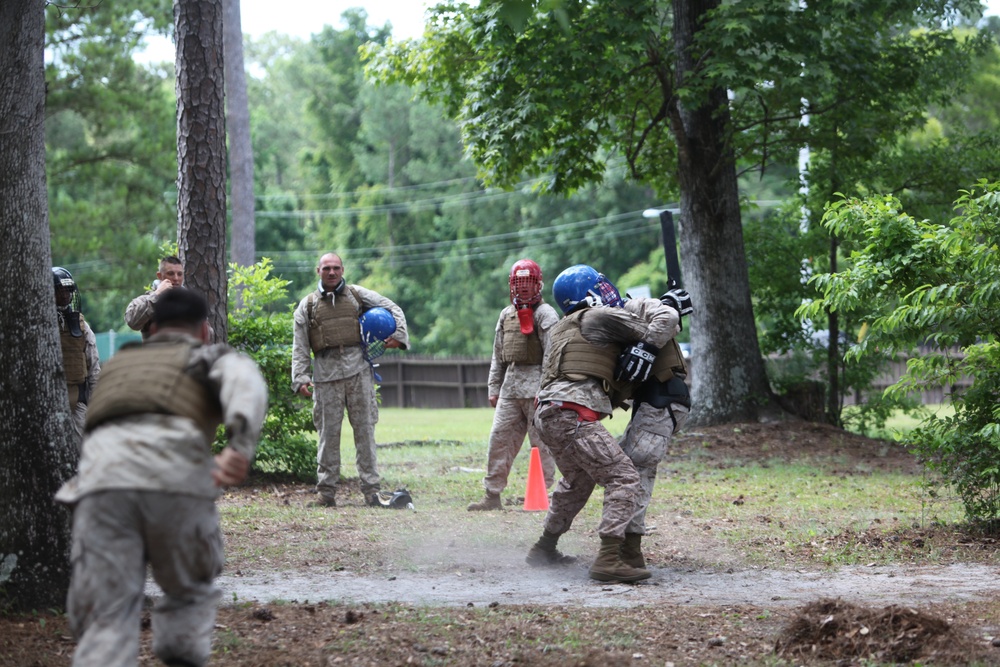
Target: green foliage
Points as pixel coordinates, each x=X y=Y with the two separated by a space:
x=286 y=444
x=931 y=291
x=110 y=149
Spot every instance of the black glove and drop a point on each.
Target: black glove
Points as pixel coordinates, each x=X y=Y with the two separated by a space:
x=679 y=300
x=635 y=363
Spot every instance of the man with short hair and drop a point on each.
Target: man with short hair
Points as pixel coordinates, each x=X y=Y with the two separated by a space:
x=139 y=312
x=327 y=341
x=81 y=362
x=147 y=483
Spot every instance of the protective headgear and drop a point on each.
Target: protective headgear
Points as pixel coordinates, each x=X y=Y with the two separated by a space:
x=399 y=500
x=580 y=286
x=526 y=292
x=63 y=278
x=67 y=299
x=377 y=324
x=525 y=283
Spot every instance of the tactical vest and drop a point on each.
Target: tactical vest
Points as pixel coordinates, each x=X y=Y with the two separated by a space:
x=669 y=362
x=74 y=354
x=573 y=357
x=153 y=378
x=518 y=348
x=333 y=324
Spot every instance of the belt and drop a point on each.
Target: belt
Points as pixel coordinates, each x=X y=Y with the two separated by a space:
x=584 y=414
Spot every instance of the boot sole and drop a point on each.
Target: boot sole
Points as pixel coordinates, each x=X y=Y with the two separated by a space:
x=544 y=562
x=600 y=576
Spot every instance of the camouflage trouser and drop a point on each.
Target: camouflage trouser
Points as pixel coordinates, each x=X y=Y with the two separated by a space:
x=79 y=415
x=645 y=442
x=115 y=533
x=511 y=421
x=356 y=394
x=587 y=455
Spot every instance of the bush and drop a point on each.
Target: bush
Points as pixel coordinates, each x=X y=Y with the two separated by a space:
x=260 y=324
x=932 y=291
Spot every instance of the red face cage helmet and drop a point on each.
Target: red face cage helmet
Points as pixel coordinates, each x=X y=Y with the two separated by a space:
x=525 y=283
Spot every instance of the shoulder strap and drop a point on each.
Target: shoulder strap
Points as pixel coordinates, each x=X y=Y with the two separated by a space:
x=357 y=297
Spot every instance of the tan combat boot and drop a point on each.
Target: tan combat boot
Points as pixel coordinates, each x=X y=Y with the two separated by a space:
x=631 y=553
x=490 y=502
x=544 y=552
x=609 y=565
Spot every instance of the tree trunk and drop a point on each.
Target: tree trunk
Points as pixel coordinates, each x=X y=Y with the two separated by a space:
x=201 y=154
x=833 y=351
x=240 y=146
x=729 y=380
x=37 y=452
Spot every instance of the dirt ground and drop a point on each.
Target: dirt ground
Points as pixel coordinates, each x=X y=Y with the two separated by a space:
x=463 y=604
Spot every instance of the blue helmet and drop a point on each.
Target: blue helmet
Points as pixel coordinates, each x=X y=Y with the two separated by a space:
x=582 y=285
x=377 y=324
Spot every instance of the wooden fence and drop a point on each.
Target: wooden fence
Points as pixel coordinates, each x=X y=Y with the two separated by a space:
x=411 y=381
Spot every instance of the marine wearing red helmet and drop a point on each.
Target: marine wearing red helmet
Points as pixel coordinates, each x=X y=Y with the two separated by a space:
x=526 y=291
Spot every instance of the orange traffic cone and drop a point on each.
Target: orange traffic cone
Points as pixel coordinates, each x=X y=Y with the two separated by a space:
x=536 y=498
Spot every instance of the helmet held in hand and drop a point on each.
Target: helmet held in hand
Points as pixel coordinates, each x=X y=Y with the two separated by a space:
x=377 y=324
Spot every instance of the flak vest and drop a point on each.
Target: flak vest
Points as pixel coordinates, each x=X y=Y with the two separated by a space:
x=333 y=324
x=154 y=378
x=573 y=357
x=518 y=348
x=669 y=362
x=74 y=354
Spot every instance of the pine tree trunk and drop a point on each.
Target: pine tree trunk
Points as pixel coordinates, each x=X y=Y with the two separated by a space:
x=240 y=146
x=729 y=377
x=36 y=449
x=201 y=154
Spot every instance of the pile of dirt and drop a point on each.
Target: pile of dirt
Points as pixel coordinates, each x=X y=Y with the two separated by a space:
x=842 y=632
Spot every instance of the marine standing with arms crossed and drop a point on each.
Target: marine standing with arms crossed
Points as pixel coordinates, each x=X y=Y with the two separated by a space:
x=519 y=344
x=327 y=341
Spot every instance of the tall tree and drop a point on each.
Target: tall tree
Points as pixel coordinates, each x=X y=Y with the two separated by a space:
x=240 y=145
x=111 y=138
x=201 y=153
x=685 y=91
x=36 y=449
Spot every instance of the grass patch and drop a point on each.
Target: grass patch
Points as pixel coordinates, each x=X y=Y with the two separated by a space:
x=900 y=423
x=739 y=497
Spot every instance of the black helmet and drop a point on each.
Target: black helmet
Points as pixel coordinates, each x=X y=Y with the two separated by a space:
x=67 y=300
x=63 y=278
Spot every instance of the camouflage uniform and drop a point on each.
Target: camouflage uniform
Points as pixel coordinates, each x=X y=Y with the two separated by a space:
x=139 y=313
x=144 y=493
x=342 y=379
x=645 y=442
x=515 y=385
x=80 y=392
x=587 y=455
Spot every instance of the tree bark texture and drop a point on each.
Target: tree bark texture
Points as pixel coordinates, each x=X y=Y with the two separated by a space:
x=37 y=452
x=729 y=380
x=240 y=145
x=201 y=153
